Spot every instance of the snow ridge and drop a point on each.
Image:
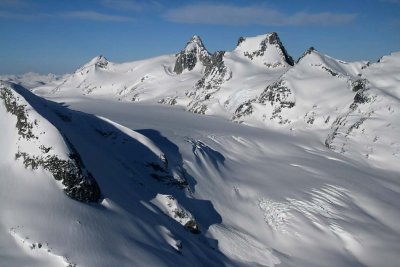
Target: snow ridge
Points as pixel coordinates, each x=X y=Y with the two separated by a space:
x=34 y=149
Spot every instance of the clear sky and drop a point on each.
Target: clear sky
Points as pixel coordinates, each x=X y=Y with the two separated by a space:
x=59 y=35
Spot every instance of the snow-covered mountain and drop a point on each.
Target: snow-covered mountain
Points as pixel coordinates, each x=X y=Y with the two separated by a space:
x=265 y=50
x=48 y=149
x=194 y=54
x=258 y=84
x=31 y=79
x=109 y=168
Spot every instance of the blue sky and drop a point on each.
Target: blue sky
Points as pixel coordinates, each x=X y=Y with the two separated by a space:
x=59 y=35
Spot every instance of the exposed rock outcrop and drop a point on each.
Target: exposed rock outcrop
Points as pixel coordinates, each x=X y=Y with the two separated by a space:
x=78 y=182
x=216 y=73
x=193 y=53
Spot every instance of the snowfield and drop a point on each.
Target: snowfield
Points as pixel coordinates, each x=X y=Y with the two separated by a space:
x=287 y=164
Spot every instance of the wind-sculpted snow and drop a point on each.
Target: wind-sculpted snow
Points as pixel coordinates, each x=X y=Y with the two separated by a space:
x=131 y=171
x=257 y=197
x=204 y=153
x=322 y=208
x=314 y=183
x=118 y=138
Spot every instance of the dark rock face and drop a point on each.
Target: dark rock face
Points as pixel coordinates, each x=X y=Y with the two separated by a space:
x=359 y=84
x=362 y=96
x=23 y=125
x=241 y=40
x=78 y=186
x=277 y=93
x=101 y=62
x=193 y=52
x=216 y=73
x=163 y=174
x=273 y=38
x=193 y=227
x=168 y=100
x=198 y=107
x=216 y=63
x=185 y=61
x=79 y=182
x=244 y=109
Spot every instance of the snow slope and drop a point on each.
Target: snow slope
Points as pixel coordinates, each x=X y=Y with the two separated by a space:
x=277 y=198
x=315 y=183
x=350 y=105
x=315 y=89
x=42 y=226
x=370 y=125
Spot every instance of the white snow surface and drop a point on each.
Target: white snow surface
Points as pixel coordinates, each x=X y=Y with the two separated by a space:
x=269 y=195
x=30 y=79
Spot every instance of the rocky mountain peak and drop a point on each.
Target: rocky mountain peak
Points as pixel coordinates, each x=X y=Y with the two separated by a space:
x=268 y=48
x=100 y=61
x=241 y=40
x=193 y=52
x=307 y=52
x=195 y=39
x=273 y=38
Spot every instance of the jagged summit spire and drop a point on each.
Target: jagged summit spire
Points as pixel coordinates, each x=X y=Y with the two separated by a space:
x=195 y=43
x=101 y=61
x=266 y=48
x=195 y=38
x=273 y=38
x=193 y=52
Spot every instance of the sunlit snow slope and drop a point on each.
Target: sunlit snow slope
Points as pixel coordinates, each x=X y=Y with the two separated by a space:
x=352 y=105
x=143 y=182
x=54 y=214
